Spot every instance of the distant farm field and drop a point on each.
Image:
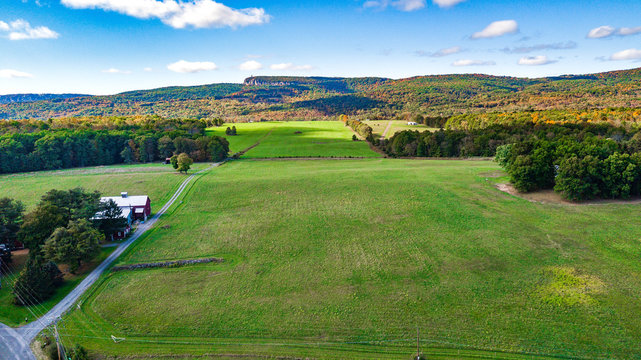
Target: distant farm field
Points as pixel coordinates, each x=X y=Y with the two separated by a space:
x=295 y=139
x=344 y=259
x=391 y=127
x=156 y=180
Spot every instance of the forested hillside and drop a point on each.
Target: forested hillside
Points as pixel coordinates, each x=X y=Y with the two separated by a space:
x=20 y=98
x=278 y=98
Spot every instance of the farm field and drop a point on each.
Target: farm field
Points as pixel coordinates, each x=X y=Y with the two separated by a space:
x=156 y=180
x=379 y=126
x=295 y=139
x=344 y=259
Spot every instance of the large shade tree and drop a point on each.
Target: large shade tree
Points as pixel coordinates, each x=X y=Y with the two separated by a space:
x=74 y=244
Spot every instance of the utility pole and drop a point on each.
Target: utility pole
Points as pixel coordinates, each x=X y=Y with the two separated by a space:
x=61 y=349
x=55 y=335
x=418 y=343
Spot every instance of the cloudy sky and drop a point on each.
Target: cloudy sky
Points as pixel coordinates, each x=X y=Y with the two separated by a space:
x=109 y=46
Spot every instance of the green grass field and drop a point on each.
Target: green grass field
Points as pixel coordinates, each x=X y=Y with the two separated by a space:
x=157 y=181
x=379 y=126
x=344 y=259
x=295 y=139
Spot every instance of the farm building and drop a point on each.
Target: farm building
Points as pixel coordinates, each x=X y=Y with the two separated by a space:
x=133 y=208
x=139 y=205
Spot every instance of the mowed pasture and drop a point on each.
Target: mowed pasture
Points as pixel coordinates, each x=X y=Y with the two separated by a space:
x=344 y=259
x=295 y=139
x=393 y=126
x=156 y=180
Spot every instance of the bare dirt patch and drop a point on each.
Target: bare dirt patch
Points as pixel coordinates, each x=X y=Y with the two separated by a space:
x=551 y=197
x=493 y=174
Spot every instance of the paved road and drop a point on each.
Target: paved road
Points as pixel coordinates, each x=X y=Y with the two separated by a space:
x=13 y=346
x=14 y=343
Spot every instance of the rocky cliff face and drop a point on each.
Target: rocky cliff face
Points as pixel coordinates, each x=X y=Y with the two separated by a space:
x=254 y=81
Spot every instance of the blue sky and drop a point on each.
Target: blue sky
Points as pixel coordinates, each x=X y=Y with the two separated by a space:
x=109 y=46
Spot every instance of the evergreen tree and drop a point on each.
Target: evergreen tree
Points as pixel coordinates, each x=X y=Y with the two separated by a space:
x=11 y=218
x=111 y=220
x=36 y=282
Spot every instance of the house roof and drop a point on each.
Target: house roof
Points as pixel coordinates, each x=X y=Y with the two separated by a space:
x=138 y=200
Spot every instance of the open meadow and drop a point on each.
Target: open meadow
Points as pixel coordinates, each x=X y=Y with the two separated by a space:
x=345 y=259
x=295 y=139
x=156 y=180
x=391 y=127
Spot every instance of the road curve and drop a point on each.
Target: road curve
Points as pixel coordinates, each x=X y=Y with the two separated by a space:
x=14 y=343
x=13 y=346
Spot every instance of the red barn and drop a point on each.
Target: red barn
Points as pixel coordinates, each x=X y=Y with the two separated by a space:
x=139 y=205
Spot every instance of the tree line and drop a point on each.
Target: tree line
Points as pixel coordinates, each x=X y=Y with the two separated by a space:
x=579 y=160
x=579 y=168
x=359 y=127
x=59 y=144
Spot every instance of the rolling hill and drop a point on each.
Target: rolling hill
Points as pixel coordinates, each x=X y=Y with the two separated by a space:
x=278 y=98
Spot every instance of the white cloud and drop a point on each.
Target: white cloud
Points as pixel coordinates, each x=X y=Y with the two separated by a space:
x=22 y=30
x=629 y=54
x=183 y=66
x=528 y=49
x=116 y=71
x=448 y=51
x=469 y=62
x=403 y=5
x=608 y=31
x=179 y=14
x=496 y=29
x=447 y=3
x=290 y=66
x=535 y=60
x=250 y=65
x=10 y=74
x=148 y=69
x=408 y=5
x=625 y=31
x=601 y=32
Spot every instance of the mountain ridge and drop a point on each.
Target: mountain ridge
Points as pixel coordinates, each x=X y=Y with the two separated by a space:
x=30 y=97
x=290 y=97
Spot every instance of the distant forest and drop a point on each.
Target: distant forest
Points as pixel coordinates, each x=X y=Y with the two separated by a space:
x=32 y=145
x=309 y=98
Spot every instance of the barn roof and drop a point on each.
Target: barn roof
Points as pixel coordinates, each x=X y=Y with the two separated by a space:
x=138 y=200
